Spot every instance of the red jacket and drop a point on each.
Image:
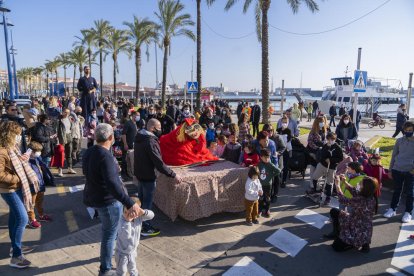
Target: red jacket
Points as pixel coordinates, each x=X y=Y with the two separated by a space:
x=377 y=172
x=250 y=159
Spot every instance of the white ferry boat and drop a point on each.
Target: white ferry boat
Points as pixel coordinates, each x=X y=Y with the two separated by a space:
x=377 y=98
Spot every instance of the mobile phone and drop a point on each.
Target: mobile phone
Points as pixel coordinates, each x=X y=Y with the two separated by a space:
x=29 y=151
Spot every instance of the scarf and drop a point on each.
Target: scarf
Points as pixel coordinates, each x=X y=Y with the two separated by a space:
x=27 y=177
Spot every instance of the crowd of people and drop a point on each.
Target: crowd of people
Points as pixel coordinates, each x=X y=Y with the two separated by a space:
x=48 y=133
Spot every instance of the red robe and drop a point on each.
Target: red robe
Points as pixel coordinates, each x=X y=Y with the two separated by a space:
x=188 y=152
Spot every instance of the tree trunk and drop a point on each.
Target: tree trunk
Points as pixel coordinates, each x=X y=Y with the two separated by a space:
x=74 y=77
x=265 y=62
x=89 y=60
x=64 y=79
x=57 y=84
x=47 y=85
x=114 y=58
x=138 y=73
x=198 y=101
x=164 y=75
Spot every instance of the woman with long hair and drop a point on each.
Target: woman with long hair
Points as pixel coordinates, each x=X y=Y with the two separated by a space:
x=244 y=126
x=16 y=176
x=354 y=229
x=346 y=130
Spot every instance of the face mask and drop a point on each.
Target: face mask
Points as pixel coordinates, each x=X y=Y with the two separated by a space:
x=151 y=113
x=157 y=133
x=209 y=116
x=284 y=125
x=224 y=112
x=93 y=115
x=18 y=139
x=218 y=132
x=186 y=111
x=321 y=125
x=346 y=122
x=137 y=118
x=211 y=127
x=408 y=134
x=331 y=143
x=37 y=154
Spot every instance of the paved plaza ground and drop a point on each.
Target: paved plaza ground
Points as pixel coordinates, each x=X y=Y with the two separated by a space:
x=288 y=243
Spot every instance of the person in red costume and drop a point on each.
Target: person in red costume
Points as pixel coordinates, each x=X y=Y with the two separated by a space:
x=185 y=145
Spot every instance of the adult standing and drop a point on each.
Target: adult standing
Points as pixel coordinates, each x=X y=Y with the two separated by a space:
x=332 y=113
x=292 y=125
x=239 y=109
x=128 y=135
x=342 y=110
x=255 y=118
x=15 y=189
x=402 y=117
x=105 y=192
x=167 y=122
x=12 y=115
x=65 y=138
x=315 y=106
x=346 y=130
x=44 y=134
x=87 y=87
x=358 y=117
x=147 y=158
x=402 y=171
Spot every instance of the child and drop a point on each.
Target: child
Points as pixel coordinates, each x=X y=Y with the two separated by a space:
x=267 y=172
x=251 y=197
x=210 y=134
x=45 y=177
x=373 y=168
x=249 y=157
x=357 y=152
x=330 y=156
x=128 y=240
x=353 y=177
x=221 y=145
x=213 y=148
x=232 y=150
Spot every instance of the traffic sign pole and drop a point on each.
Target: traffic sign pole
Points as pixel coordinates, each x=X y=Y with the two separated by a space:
x=356 y=94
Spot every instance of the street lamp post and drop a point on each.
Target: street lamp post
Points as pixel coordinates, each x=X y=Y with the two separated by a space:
x=6 y=38
x=13 y=52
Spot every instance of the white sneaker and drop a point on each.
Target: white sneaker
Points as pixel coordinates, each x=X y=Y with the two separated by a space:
x=406 y=218
x=390 y=213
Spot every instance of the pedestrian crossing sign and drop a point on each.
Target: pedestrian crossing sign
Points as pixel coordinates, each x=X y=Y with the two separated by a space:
x=360 y=81
x=192 y=87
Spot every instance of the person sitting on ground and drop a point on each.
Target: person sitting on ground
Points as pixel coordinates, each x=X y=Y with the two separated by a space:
x=253 y=190
x=354 y=229
x=357 y=152
x=346 y=130
x=45 y=177
x=128 y=240
x=232 y=150
x=330 y=156
x=268 y=171
x=249 y=156
x=373 y=168
x=402 y=171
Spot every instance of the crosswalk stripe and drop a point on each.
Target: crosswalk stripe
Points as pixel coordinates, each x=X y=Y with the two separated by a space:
x=310 y=217
x=61 y=189
x=404 y=249
x=394 y=272
x=247 y=267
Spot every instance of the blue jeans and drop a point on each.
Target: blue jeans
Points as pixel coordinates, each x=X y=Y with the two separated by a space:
x=146 y=191
x=109 y=216
x=401 y=179
x=17 y=220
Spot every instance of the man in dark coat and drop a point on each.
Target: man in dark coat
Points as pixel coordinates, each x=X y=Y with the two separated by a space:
x=87 y=87
x=255 y=118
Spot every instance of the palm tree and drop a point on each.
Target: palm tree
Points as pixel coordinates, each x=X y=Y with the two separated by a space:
x=63 y=59
x=262 y=28
x=100 y=34
x=77 y=57
x=49 y=69
x=30 y=73
x=87 y=40
x=38 y=73
x=22 y=76
x=54 y=66
x=117 y=43
x=172 y=23
x=141 y=31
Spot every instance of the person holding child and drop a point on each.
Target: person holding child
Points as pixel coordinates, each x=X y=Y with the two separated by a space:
x=253 y=192
x=267 y=172
x=128 y=240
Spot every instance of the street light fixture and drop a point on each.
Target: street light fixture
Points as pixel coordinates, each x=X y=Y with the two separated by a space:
x=6 y=38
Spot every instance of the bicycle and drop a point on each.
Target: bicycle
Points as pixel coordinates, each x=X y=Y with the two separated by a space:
x=380 y=123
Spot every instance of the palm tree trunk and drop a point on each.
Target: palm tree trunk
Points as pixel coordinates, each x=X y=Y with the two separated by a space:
x=137 y=72
x=64 y=79
x=89 y=60
x=265 y=62
x=100 y=68
x=114 y=58
x=57 y=83
x=74 y=77
x=164 y=75
x=198 y=101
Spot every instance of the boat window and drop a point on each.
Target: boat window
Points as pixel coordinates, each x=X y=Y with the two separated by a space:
x=346 y=82
x=339 y=82
x=340 y=99
x=346 y=99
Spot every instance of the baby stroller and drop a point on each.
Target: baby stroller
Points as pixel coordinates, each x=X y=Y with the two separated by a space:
x=298 y=160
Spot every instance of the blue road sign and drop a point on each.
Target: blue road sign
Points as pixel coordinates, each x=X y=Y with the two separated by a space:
x=360 y=81
x=192 y=87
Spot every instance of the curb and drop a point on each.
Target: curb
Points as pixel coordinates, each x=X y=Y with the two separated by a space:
x=372 y=141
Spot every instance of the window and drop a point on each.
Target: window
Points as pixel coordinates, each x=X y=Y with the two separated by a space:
x=346 y=99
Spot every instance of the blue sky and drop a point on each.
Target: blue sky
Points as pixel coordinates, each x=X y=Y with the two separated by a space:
x=45 y=28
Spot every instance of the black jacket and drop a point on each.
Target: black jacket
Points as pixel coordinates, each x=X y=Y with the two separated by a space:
x=332 y=111
x=256 y=111
x=41 y=134
x=333 y=153
x=147 y=157
x=103 y=185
